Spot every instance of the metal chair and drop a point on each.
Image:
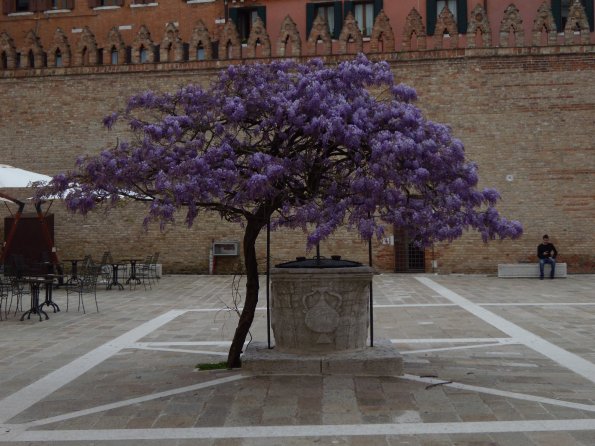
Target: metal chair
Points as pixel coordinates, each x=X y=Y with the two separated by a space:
x=143 y=271
x=5 y=289
x=75 y=266
x=14 y=272
x=86 y=283
x=153 y=268
x=17 y=289
x=106 y=268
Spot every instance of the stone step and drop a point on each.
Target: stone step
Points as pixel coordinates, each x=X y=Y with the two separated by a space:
x=381 y=360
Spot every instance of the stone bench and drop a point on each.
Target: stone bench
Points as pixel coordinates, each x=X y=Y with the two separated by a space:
x=512 y=270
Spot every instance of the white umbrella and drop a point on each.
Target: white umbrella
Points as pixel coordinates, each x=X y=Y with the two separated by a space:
x=15 y=177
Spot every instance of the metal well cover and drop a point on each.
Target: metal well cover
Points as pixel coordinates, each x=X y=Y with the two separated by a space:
x=319 y=262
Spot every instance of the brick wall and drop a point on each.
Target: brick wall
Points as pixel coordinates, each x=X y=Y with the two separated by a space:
x=527 y=119
x=528 y=122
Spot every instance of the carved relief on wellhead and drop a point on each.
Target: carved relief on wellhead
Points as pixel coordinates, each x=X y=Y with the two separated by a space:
x=321 y=313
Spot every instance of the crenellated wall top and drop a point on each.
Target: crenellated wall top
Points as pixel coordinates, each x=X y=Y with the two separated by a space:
x=177 y=45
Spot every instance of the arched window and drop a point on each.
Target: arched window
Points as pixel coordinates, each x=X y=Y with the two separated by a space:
x=4 y=60
x=381 y=43
x=200 y=52
x=114 y=56
x=30 y=59
x=58 y=55
x=85 y=56
x=144 y=54
x=287 y=46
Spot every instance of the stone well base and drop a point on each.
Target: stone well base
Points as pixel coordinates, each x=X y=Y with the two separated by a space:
x=381 y=360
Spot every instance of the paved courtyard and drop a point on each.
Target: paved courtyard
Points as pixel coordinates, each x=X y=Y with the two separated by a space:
x=488 y=361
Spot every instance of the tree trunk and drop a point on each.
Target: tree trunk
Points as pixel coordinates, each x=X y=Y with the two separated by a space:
x=253 y=228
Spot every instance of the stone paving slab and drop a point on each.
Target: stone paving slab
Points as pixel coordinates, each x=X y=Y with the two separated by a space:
x=467 y=380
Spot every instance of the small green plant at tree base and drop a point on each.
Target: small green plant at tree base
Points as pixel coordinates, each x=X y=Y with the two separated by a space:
x=212 y=366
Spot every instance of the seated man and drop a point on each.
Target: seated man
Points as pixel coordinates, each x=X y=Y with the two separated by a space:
x=547 y=253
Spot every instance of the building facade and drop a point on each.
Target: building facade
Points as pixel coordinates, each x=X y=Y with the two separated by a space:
x=513 y=80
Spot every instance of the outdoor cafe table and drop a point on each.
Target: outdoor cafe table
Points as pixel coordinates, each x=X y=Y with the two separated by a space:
x=48 y=292
x=133 y=276
x=115 y=268
x=35 y=284
x=74 y=269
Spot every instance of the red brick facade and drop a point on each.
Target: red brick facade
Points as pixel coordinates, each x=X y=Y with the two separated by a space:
x=517 y=91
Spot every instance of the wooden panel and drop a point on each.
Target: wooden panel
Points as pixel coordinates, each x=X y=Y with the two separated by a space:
x=28 y=240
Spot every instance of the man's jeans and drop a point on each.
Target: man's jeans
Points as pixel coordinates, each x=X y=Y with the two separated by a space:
x=542 y=262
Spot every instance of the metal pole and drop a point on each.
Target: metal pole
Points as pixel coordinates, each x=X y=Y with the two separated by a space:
x=371 y=296
x=268 y=282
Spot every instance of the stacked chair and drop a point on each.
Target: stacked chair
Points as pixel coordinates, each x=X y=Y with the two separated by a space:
x=147 y=271
x=5 y=290
x=143 y=271
x=105 y=267
x=18 y=290
x=14 y=272
x=153 y=268
x=85 y=283
x=11 y=289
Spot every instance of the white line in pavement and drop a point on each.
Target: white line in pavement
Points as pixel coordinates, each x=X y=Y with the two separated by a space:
x=222 y=309
x=167 y=346
x=306 y=431
x=182 y=350
x=443 y=349
x=451 y=340
x=472 y=343
x=182 y=343
x=563 y=357
x=35 y=392
x=538 y=304
x=412 y=305
x=205 y=310
x=131 y=401
x=476 y=343
x=503 y=393
x=494 y=304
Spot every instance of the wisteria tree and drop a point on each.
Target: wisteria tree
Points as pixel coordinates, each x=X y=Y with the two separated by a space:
x=300 y=145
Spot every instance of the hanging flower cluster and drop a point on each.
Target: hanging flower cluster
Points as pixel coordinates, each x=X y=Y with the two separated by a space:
x=308 y=145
